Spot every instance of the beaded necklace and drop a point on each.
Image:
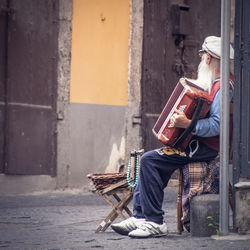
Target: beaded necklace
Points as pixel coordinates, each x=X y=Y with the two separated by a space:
x=136 y=170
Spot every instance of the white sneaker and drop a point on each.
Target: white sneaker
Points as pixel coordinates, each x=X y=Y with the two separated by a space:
x=149 y=229
x=127 y=225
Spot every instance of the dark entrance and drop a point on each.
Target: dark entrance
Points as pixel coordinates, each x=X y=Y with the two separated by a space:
x=28 y=81
x=173 y=34
x=241 y=139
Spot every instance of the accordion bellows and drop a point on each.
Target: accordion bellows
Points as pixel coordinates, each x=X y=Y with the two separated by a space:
x=185 y=97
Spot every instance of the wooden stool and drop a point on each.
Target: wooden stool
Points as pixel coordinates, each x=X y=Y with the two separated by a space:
x=117 y=190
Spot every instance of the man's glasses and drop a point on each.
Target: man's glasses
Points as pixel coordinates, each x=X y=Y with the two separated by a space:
x=202 y=52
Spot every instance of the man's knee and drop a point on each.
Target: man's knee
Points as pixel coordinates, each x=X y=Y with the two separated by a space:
x=147 y=162
x=146 y=157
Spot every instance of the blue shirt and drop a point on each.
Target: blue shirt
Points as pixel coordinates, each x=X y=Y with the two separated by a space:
x=211 y=126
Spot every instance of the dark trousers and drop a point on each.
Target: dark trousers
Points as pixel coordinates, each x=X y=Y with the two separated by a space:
x=156 y=168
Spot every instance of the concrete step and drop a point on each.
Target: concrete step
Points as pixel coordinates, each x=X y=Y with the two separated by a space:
x=200 y=208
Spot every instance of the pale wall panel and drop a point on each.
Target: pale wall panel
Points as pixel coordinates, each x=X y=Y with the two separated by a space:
x=100 y=40
x=95 y=131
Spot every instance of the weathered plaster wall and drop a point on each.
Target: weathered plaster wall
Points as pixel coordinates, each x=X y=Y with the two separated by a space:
x=133 y=137
x=97 y=137
x=63 y=105
x=98 y=88
x=97 y=141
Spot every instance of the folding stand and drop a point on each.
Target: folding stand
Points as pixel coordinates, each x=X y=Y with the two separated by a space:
x=117 y=190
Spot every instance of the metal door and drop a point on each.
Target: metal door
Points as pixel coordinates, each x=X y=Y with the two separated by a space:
x=31 y=83
x=173 y=33
x=241 y=160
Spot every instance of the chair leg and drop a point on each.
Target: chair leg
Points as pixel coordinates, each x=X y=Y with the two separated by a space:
x=179 y=202
x=107 y=221
x=114 y=206
x=125 y=207
x=117 y=210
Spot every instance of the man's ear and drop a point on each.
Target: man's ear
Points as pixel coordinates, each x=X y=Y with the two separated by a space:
x=208 y=59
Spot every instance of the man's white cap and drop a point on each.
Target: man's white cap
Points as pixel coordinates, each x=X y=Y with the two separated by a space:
x=212 y=45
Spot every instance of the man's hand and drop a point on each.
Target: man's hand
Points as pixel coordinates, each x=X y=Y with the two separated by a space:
x=179 y=120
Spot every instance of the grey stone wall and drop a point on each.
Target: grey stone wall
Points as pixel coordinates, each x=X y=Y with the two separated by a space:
x=242 y=206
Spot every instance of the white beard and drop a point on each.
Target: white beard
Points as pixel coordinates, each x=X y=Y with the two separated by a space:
x=205 y=76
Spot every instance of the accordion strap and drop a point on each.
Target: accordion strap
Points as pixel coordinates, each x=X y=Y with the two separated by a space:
x=193 y=123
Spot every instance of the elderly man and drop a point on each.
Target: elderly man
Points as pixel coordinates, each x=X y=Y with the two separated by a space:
x=157 y=166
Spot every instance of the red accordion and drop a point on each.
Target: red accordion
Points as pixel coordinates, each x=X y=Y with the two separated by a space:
x=190 y=99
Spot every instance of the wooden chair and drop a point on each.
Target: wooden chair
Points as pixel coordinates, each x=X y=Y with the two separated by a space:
x=117 y=190
x=179 y=202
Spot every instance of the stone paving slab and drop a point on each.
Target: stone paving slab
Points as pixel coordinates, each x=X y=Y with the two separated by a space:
x=67 y=220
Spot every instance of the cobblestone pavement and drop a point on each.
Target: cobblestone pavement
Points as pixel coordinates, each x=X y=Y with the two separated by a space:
x=67 y=220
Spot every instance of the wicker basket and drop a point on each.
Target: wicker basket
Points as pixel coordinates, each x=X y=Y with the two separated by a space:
x=102 y=181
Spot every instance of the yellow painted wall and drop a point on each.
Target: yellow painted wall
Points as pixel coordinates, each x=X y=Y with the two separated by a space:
x=99 y=64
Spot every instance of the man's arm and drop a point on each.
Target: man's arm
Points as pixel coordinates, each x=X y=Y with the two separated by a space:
x=211 y=126
x=205 y=127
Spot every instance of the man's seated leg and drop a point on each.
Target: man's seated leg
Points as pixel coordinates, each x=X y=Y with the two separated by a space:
x=155 y=173
x=130 y=224
x=156 y=169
